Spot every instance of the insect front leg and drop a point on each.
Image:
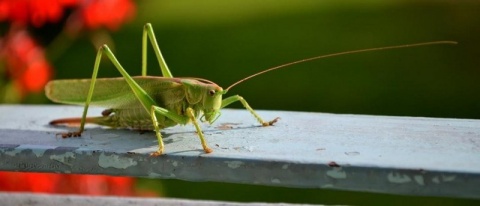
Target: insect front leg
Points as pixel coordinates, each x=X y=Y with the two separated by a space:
x=155 y=110
x=232 y=99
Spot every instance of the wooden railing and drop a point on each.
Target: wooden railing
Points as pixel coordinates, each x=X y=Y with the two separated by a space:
x=384 y=154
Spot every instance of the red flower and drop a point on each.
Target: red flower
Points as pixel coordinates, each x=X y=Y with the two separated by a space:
x=25 y=61
x=67 y=184
x=93 y=13
x=34 y=12
x=18 y=182
x=24 y=58
x=106 y=13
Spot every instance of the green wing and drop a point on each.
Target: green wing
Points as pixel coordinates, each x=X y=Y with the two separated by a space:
x=115 y=92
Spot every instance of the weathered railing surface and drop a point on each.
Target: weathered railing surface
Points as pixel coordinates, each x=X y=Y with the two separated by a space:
x=32 y=199
x=397 y=155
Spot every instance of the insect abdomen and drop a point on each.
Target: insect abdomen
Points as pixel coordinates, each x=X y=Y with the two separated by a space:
x=134 y=118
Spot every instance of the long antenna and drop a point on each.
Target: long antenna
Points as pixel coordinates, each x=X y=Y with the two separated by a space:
x=339 y=54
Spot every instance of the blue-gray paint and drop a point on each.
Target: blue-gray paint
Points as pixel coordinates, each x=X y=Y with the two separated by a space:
x=399 y=155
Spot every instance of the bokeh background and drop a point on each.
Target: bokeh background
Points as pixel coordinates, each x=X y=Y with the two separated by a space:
x=224 y=41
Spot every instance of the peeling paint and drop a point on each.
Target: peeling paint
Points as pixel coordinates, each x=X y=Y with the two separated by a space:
x=443 y=178
x=448 y=178
x=64 y=158
x=248 y=148
x=285 y=166
x=115 y=161
x=395 y=177
x=158 y=175
x=234 y=164
x=13 y=153
x=337 y=173
x=327 y=186
x=354 y=153
x=419 y=179
x=154 y=175
x=174 y=163
x=38 y=150
x=146 y=150
x=276 y=181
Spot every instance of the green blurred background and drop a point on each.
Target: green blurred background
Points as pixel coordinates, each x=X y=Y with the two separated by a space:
x=224 y=41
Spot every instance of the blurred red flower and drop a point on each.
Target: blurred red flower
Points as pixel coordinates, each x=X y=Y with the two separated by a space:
x=34 y=12
x=92 y=14
x=27 y=67
x=25 y=61
x=108 y=13
x=67 y=184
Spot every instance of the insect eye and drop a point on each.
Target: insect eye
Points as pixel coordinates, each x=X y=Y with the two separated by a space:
x=211 y=92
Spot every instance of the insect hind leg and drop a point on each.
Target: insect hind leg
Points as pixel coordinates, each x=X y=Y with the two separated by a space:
x=148 y=32
x=139 y=92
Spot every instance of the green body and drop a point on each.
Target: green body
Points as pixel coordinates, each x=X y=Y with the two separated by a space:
x=125 y=110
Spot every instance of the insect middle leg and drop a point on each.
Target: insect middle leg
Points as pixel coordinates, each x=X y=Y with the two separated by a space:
x=155 y=110
x=232 y=99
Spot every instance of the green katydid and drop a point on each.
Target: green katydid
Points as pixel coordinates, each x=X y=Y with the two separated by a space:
x=153 y=103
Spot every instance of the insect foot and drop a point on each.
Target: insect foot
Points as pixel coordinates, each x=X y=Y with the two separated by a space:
x=208 y=150
x=265 y=124
x=156 y=153
x=69 y=134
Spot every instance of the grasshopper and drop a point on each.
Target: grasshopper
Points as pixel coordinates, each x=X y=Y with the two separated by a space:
x=153 y=103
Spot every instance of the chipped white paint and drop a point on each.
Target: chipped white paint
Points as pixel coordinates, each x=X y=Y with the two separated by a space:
x=174 y=163
x=234 y=164
x=443 y=178
x=276 y=181
x=337 y=173
x=352 y=153
x=115 y=161
x=38 y=150
x=158 y=175
x=154 y=175
x=64 y=158
x=419 y=179
x=395 y=177
x=13 y=153
x=248 y=148
x=327 y=186
x=448 y=178
x=285 y=166
x=146 y=150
